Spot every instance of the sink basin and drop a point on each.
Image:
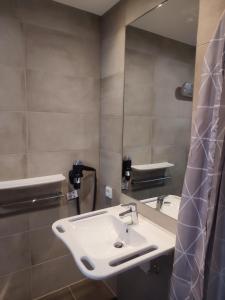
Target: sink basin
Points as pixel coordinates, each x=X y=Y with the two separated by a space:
x=103 y=245
x=170 y=206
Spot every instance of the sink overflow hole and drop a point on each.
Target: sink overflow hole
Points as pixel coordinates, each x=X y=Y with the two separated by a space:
x=118 y=245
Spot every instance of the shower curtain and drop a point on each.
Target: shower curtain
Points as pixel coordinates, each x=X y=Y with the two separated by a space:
x=199 y=262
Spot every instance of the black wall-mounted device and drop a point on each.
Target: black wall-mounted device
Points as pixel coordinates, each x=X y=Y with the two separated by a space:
x=126 y=172
x=75 y=176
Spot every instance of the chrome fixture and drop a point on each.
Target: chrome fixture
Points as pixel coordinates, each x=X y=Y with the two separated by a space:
x=126 y=172
x=187 y=89
x=185 y=92
x=160 y=201
x=132 y=211
x=150 y=180
x=161 y=4
x=25 y=205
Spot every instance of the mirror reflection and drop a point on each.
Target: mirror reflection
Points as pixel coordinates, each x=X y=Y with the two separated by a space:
x=159 y=76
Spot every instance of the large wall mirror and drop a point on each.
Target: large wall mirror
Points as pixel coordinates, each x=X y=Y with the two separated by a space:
x=159 y=77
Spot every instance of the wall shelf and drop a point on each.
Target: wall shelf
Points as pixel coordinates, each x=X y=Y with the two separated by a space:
x=31 y=182
x=152 y=167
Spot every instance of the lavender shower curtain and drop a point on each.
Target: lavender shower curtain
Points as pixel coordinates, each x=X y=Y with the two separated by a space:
x=199 y=263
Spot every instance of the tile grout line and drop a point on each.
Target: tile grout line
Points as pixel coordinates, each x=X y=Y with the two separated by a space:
x=26 y=109
x=60 y=289
x=109 y=288
x=30 y=267
x=50 y=293
x=71 y=292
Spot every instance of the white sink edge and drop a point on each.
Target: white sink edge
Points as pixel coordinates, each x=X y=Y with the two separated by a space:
x=104 y=270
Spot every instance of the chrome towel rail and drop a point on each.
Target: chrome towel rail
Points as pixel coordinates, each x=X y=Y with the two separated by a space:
x=7 y=208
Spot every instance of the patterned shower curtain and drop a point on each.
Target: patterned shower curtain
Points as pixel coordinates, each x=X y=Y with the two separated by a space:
x=199 y=262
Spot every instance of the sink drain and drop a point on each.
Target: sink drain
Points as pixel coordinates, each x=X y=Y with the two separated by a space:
x=118 y=245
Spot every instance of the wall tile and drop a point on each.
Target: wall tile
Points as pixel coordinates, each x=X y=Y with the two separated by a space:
x=110 y=169
x=137 y=131
x=49 y=163
x=58 y=93
x=142 y=41
x=90 y=288
x=13 y=166
x=59 y=131
x=13 y=224
x=17 y=255
x=112 y=284
x=165 y=84
x=7 y=8
x=12 y=132
x=45 y=245
x=12 y=50
x=138 y=91
x=171 y=131
x=68 y=210
x=63 y=294
x=53 y=275
x=113 y=54
x=16 y=286
x=113 y=20
x=209 y=15
x=53 y=15
x=111 y=133
x=138 y=154
x=177 y=51
x=55 y=52
x=112 y=91
x=12 y=88
x=47 y=217
x=174 y=154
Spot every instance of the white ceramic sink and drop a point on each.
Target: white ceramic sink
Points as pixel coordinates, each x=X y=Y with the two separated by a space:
x=170 y=207
x=92 y=239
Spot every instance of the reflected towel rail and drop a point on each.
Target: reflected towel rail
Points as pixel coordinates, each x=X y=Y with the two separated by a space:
x=150 y=180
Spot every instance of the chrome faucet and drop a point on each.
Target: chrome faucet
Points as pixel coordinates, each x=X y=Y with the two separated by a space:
x=132 y=211
x=160 y=201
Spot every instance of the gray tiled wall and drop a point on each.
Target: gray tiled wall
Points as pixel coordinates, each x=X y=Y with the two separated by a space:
x=49 y=88
x=49 y=116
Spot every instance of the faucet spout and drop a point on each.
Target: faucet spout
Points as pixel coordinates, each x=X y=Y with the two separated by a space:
x=132 y=211
x=124 y=213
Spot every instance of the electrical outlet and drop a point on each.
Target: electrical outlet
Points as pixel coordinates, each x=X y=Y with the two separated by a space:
x=108 y=192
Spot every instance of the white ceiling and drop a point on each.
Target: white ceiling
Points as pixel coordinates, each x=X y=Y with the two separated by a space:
x=98 y=7
x=176 y=19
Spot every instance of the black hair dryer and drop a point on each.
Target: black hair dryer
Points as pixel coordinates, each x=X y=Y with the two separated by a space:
x=75 y=176
x=126 y=172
